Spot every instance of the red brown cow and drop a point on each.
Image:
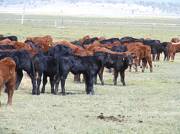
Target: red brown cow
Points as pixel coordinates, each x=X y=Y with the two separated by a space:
x=24 y=46
x=44 y=42
x=8 y=77
x=98 y=47
x=142 y=53
x=175 y=40
x=173 y=48
x=6 y=42
x=77 y=50
x=84 y=38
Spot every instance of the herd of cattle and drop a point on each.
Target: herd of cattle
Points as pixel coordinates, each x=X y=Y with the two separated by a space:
x=41 y=57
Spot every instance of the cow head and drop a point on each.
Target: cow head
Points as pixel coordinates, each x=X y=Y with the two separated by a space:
x=104 y=58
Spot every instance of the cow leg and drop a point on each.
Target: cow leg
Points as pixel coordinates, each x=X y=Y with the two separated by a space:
x=173 y=56
x=168 y=56
x=91 y=89
x=57 y=80
x=44 y=83
x=19 y=77
x=136 y=62
x=10 y=92
x=122 y=74
x=33 y=81
x=150 y=63
x=95 y=79
x=153 y=56
x=100 y=73
x=86 y=83
x=1 y=84
x=144 y=63
x=89 y=84
x=130 y=68
x=165 y=55
x=63 y=80
x=157 y=56
x=115 y=76
x=52 y=82
x=38 y=77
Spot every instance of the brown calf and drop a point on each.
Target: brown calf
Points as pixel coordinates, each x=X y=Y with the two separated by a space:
x=142 y=53
x=173 y=48
x=8 y=77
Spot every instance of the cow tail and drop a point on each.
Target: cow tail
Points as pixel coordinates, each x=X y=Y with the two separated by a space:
x=33 y=69
x=57 y=68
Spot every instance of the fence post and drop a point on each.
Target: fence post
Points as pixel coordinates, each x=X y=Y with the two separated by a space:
x=23 y=13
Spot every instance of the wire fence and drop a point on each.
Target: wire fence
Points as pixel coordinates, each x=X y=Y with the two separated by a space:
x=167 y=27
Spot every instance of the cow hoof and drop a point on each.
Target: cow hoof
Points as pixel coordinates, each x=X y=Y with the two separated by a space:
x=42 y=90
x=38 y=92
x=55 y=93
x=33 y=93
x=90 y=94
x=63 y=94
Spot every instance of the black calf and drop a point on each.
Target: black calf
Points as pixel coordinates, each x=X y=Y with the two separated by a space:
x=46 y=66
x=89 y=66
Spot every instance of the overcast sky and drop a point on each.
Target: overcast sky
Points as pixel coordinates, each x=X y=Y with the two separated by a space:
x=174 y=1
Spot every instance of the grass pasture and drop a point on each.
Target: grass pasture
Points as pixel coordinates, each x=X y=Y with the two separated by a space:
x=149 y=104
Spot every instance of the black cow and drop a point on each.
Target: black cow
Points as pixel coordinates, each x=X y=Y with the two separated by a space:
x=77 y=43
x=46 y=66
x=120 y=65
x=33 y=45
x=128 y=39
x=109 y=41
x=12 y=38
x=164 y=48
x=89 y=41
x=120 y=48
x=59 y=50
x=156 y=47
x=89 y=66
x=5 y=47
x=23 y=62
